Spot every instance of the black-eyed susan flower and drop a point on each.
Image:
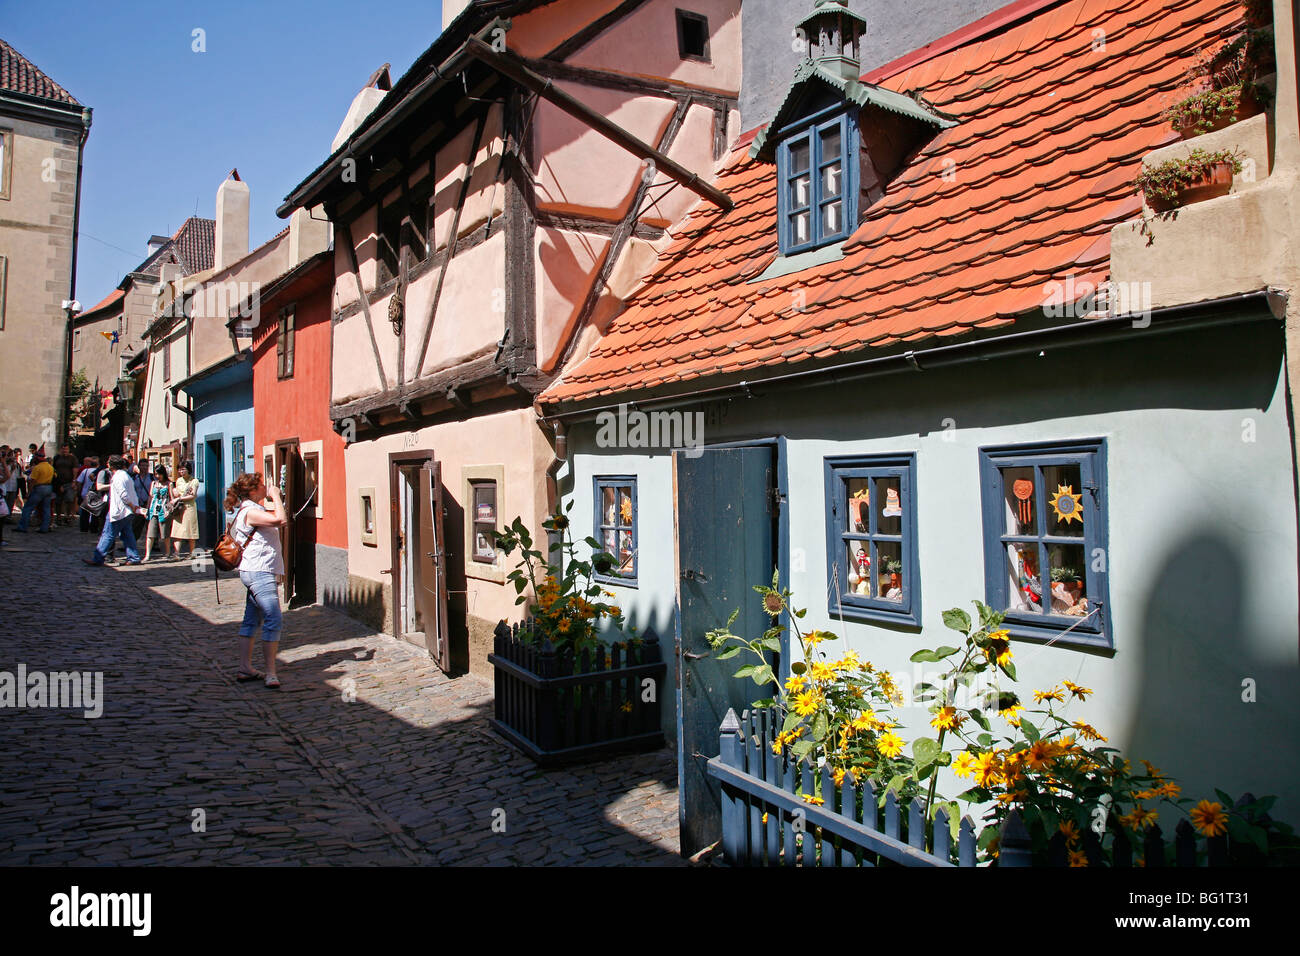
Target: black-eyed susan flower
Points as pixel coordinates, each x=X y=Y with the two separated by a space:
x=1079 y=692
x=890 y=744
x=947 y=718
x=1208 y=817
x=1045 y=695
x=963 y=765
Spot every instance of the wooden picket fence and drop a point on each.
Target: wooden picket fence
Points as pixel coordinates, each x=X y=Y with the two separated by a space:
x=560 y=709
x=767 y=822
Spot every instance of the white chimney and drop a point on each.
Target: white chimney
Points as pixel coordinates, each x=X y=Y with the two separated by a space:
x=363 y=104
x=309 y=233
x=231 y=240
x=157 y=242
x=451 y=9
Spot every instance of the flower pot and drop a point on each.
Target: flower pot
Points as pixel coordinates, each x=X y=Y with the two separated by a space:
x=1248 y=105
x=1217 y=183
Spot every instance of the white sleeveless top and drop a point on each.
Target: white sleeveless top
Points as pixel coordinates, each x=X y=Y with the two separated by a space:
x=261 y=546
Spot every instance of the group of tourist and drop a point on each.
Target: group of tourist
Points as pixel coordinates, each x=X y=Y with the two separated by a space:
x=126 y=500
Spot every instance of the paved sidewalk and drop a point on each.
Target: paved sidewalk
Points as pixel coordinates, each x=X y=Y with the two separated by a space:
x=407 y=772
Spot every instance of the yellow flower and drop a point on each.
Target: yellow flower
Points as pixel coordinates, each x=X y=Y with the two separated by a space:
x=1078 y=858
x=890 y=744
x=947 y=719
x=627 y=707
x=814 y=638
x=1039 y=756
x=1152 y=770
x=564 y=625
x=864 y=721
x=1070 y=832
x=1139 y=818
x=1079 y=692
x=1087 y=731
x=815 y=801
x=794 y=683
x=1209 y=818
x=1169 y=790
x=998 y=651
x=963 y=765
x=614 y=611
x=1053 y=694
x=1012 y=713
x=821 y=672
x=988 y=770
x=848 y=662
x=838 y=776
x=806 y=703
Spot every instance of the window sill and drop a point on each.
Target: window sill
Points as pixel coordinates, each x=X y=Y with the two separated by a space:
x=485 y=572
x=1057 y=637
x=786 y=265
x=874 y=615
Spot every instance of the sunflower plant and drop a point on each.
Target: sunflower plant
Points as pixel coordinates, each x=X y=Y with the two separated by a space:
x=566 y=606
x=832 y=711
x=1057 y=772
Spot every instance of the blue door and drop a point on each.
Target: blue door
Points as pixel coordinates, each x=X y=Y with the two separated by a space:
x=727 y=537
x=214 y=493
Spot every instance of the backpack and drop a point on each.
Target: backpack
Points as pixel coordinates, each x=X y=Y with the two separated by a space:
x=96 y=500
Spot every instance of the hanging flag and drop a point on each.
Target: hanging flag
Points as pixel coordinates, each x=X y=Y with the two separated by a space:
x=111 y=336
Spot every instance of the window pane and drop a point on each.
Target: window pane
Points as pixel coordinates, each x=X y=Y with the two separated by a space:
x=1069 y=577
x=799 y=157
x=626 y=552
x=833 y=218
x=1021 y=511
x=889 y=500
x=831 y=185
x=831 y=143
x=889 y=574
x=857 y=505
x=799 y=192
x=1064 y=489
x=608 y=513
x=859 y=565
x=625 y=507
x=483 y=548
x=609 y=542
x=1024 y=587
x=799 y=227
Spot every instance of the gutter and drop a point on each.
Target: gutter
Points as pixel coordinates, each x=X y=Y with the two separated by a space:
x=1198 y=315
x=86 y=118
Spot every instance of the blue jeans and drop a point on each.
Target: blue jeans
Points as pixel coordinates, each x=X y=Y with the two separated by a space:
x=41 y=497
x=262 y=604
x=122 y=528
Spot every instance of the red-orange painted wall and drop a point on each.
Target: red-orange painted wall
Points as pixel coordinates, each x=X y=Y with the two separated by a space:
x=298 y=407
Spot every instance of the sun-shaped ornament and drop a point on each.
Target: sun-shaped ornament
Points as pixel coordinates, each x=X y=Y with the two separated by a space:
x=1067 y=505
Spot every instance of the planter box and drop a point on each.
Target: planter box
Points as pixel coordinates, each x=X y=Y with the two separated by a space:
x=1247 y=106
x=1217 y=183
x=558 y=710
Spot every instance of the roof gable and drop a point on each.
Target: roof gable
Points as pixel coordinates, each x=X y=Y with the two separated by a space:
x=20 y=75
x=1023 y=192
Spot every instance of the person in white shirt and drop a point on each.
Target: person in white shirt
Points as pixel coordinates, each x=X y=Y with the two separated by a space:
x=257 y=529
x=123 y=506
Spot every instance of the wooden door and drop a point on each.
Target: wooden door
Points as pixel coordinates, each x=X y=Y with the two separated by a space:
x=432 y=558
x=286 y=477
x=726 y=543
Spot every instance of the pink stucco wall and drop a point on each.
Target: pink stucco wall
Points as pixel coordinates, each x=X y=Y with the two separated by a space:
x=539 y=31
x=210 y=342
x=645 y=44
x=581 y=172
x=567 y=265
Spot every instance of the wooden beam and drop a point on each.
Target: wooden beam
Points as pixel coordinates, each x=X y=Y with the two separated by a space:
x=350 y=247
x=606 y=79
x=592 y=30
x=510 y=67
x=459 y=397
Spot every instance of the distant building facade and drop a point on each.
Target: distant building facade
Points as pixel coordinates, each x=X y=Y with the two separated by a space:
x=43 y=130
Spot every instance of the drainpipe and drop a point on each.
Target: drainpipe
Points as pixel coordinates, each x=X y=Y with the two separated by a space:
x=86 y=115
x=559 y=432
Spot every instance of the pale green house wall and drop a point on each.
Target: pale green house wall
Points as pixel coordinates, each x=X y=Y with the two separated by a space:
x=1201 y=515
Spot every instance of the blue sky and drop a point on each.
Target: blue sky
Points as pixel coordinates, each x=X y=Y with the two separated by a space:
x=266 y=97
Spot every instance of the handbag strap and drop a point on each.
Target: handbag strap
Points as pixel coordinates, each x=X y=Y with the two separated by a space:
x=234 y=521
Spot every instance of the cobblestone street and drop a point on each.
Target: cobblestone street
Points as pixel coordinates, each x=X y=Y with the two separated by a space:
x=407 y=773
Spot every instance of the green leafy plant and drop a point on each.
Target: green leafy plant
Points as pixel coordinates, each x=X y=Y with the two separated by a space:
x=832 y=712
x=1067 y=575
x=566 y=606
x=1164 y=183
x=1206 y=111
x=891 y=565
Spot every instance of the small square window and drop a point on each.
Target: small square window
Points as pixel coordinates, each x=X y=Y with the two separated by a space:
x=693 y=36
x=484 y=520
x=616 y=530
x=368 y=518
x=1045 y=540
x=871 y=566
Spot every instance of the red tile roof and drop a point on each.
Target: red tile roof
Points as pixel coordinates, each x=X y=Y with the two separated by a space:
x=117 y=295
x=20 y=75
x=1050 y=135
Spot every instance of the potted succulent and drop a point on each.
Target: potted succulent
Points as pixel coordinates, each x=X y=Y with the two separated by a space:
x=893 y=567
x=1179 y=182
x=1071 y=578
x=1213 y=109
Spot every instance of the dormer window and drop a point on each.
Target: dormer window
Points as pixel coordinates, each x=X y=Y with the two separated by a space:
x=818 y=186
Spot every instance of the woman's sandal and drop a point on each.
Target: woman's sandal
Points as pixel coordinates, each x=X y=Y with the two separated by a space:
x=245 y=676
x=273 y=682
